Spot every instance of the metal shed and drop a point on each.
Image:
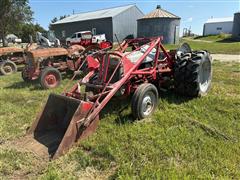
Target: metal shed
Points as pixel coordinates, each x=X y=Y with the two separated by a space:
x=216 y=26
x=236 y=26
x=160 y=22
x=121 y=21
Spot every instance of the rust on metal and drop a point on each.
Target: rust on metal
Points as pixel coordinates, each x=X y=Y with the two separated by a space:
x=51 y=52
x=47 y=52
x=7 y=50
x=159 y=13
x=56 y=126
x=75 y=49
x=31 y=46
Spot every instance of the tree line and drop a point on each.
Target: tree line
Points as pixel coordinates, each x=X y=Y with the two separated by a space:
x=16 y=17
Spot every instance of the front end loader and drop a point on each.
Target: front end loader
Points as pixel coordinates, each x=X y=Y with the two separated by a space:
x=74 y=115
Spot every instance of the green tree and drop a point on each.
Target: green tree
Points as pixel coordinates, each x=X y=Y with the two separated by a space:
x=62 y=17
x=13 y=13
x=55 y=19
x=25 y=30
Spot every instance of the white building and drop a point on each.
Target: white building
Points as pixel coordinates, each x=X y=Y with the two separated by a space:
x=215 y=26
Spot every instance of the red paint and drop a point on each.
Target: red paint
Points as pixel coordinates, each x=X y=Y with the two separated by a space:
x=92 y=63
x=50 y=80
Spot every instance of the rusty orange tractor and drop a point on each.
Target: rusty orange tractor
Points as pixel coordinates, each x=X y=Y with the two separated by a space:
x=47 y=64
x=10 y=57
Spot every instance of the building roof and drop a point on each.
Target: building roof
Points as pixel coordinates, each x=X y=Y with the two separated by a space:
x=218 y=20
x=159 y=13
x=104 y=13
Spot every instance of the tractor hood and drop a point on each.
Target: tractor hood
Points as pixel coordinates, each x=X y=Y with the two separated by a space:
x=75 y=50
x=51 y=52
x=7 y=50
x=47 y=52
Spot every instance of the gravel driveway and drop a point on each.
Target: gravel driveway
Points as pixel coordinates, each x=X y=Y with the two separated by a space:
x=226 y=57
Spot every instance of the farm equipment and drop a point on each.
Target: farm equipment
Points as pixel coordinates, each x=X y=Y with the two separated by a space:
x=47 y=39
x=10 y=57
x=48 y=63
x=132 y=43
x=74 y=115
x=12 y=38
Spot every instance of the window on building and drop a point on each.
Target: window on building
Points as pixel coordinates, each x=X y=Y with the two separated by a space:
x=94 y=31
x=219 y=28
x=63 y=34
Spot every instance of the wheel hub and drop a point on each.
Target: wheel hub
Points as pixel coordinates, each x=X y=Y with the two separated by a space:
x=147 y=105
x=51 y=80
x=205 y=73
x=7 y=69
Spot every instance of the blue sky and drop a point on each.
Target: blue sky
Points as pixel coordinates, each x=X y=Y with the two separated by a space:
x=193 y=12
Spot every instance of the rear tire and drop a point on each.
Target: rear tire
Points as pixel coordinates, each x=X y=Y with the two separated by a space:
x=193 y=74
x=144 y=101
x=50 y=78
x=8 y=67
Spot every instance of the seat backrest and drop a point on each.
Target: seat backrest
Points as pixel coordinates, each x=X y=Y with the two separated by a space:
x=114 y=60
x=134 y=56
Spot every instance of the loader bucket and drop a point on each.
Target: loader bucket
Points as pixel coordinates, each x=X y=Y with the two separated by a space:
x=56 y=128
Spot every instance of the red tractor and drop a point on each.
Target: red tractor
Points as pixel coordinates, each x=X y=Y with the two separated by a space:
x=140 y=74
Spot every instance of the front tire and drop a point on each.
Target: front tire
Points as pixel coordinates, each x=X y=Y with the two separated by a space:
x=50 y=78
x=8 y=67
x=144 y=101
x=25 y=75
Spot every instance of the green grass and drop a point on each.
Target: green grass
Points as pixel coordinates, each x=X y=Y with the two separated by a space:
x=217 y=44
x=213 y=47
x=216 y=38
x=168 y=145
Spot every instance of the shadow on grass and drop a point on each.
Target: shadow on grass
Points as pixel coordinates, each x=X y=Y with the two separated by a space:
x=32 y=85
x=198 y=37
x=117 y=106
x=121 y=106
x=224 y=39
x=228 y=40
x=173 y=98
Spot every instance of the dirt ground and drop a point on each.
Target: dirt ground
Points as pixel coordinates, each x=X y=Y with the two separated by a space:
x=226 y=57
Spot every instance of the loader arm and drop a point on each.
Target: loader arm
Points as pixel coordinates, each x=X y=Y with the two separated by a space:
x=97 y=107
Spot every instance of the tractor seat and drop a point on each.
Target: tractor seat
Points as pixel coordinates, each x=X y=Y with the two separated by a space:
x=134 y=56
